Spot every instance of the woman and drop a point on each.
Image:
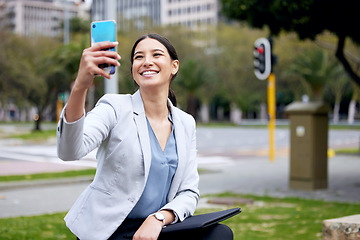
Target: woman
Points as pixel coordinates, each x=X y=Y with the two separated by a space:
x=146 y=173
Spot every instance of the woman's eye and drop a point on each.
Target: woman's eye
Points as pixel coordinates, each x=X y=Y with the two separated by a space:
x=157 y=54
x=138 y=57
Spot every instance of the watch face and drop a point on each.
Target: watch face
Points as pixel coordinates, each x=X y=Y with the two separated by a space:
x=159 y=216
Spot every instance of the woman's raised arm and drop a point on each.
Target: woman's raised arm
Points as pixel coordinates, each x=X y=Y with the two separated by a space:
x=89 y=67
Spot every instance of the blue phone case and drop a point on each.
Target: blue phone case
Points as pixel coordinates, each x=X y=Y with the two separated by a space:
x=102 y=31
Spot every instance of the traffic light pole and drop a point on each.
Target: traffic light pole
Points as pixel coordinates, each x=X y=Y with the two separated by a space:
x=263 y=70
x=271 y=97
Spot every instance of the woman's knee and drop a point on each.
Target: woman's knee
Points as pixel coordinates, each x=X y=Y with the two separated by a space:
x=219 y=231
x=216 y=232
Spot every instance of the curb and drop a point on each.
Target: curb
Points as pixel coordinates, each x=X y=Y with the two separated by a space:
x=42 y=183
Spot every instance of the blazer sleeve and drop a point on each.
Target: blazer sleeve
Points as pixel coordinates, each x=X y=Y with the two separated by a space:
x=76 y=139
x=187 y=197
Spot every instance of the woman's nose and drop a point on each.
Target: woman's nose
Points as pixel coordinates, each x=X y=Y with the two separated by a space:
x=147 y=61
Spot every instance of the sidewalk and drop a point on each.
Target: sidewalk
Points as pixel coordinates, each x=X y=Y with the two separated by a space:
x=246 y=175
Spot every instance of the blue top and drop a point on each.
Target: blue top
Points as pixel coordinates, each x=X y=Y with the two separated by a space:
x=162 y=171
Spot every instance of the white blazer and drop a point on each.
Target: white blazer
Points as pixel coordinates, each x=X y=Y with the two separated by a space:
x=117 y=126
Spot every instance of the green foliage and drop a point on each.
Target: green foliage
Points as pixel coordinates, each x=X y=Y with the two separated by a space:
x=318 y=71
x=23 y=70
x=308 y=18
x=192 y=75
x=191 y=79
x=216 y=63
x=34 y=70
x=79 y=25
x=339 y=83
x=234 y=65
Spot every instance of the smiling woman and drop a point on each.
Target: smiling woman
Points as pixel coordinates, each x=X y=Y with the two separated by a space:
x=146 y=174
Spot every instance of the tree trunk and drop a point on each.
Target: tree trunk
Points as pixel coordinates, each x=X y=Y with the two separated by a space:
x=191 y=105
x=351 y=113
x=263 y=112
x=204 y=113
x=235 y=114
x=336 y=112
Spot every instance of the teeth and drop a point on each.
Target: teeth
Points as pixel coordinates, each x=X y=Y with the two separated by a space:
x=149 y=73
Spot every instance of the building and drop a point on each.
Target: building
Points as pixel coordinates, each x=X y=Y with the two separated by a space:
x=37 y=17
x=141 y=13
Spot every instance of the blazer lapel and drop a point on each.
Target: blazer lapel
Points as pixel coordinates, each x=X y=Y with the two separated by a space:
x=181 y=151
x=143 y=134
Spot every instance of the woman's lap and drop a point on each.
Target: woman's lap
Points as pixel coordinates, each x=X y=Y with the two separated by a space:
x=215 y=232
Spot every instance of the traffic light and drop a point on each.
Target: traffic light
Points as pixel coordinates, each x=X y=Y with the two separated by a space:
x=262 y=61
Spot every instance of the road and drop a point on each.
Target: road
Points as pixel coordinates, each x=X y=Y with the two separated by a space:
x=249 y=139
x=231 y=142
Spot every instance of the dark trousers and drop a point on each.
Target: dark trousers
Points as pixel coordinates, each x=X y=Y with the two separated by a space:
x=215 y=232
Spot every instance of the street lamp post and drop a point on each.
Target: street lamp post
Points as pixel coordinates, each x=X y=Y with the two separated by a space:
x=111 y=85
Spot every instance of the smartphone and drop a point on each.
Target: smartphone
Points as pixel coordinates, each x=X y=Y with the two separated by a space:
x=102 y=31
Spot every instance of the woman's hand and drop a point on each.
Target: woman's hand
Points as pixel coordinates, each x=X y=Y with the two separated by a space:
x=89 y=67
x=149 y=230
x=91 y=59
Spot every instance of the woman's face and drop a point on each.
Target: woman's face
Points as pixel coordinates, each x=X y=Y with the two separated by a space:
x=152 y=64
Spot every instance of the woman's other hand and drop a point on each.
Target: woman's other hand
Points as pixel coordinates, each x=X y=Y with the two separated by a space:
x=149 y=230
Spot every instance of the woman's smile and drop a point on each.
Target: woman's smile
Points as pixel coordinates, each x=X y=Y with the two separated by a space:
x=149 y=73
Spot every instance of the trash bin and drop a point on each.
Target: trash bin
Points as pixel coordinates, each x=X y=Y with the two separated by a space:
x=308 y=145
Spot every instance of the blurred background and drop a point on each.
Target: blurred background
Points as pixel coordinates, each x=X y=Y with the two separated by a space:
x=313 y=172
x=42 y=41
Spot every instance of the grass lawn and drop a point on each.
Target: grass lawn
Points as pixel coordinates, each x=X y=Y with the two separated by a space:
x=49 y=175
x=288 y=218
x=266 y=218
x=35 y=136
x=350 y=151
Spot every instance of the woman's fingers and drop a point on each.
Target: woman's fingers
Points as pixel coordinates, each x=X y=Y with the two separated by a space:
x=102 y=46
x=91 y=60
x=106 y=60
x=109 y=54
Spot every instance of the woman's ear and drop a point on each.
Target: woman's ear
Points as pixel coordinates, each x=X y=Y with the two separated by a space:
x=175 y=67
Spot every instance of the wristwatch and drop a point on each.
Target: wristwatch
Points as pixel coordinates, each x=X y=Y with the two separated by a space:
x=159 y=216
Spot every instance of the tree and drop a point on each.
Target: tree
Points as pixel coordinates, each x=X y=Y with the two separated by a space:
x=337 y=87
x=34 y=71
x=234 y=64
x=315 y=70
x=352 y=106
x=308 y=18
x=22 y=73
x=192 y=77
